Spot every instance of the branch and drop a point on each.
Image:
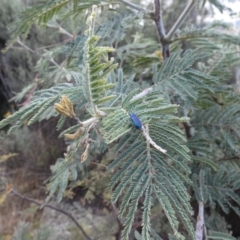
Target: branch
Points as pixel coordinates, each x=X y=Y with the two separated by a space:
x=149 y=139
x=160 y=28
x=181 y=19
x=89 y=121
x=158 y=20
x=40 y=55
x=132 y=5
x=143 y=93
x=200 y=226
x=54 y=208
x=229 y=158
x=163 y=38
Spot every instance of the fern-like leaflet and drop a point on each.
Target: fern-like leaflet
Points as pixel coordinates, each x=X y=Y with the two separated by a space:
x=142 y=170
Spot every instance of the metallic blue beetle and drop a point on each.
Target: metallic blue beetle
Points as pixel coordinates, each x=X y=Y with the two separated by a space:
x=135 y=120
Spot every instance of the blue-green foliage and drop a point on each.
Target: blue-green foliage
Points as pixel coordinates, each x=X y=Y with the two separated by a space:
x=41 y=104
x=188 y=91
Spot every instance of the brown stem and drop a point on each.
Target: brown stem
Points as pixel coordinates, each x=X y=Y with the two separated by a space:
x=229 y=158
x=117 y=234
x=160 y=28
x=54 y=208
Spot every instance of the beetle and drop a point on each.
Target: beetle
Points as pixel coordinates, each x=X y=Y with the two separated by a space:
x=135 y=120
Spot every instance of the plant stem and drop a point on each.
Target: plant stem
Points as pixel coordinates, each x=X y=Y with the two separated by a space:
x=40 y=55
x=52 y=207
x=149 y=139
x=143 y=93
x=132 y=5
x=163 y=38
x=200 y=222
x=160 y=28
x=181 y=19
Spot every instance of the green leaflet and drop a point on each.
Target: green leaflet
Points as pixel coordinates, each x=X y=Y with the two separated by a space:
x=139 y=166
x=95 y=70
x=220 y=236
x=190 y=86
x=37 y=109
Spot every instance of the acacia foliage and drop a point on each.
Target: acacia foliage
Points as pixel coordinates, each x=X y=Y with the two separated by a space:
x=188 y=111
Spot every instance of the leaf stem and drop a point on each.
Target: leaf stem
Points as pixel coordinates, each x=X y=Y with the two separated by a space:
x=132 y=5
x=160 y=28
x=89 y=121
x=14 y=192
x=200 y=222
x=143 y=93
x=40 y=55
x=149 y=139
x=180 y=20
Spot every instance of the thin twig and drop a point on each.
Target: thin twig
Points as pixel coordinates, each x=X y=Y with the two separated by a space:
x=40 y=55
x=143 y=93
x=62 y=30
x=229 y=158
x=149 y=139
x=200 y=226
x=181 y=19
x=205 y=232
x=132 y=5
x=100 y=164
x=54 y=208
x=90 y=121
x=54 y=45
x=30 y=93
x=160 y=28
x=119 y=220
x=158 y=20
x=200 y=222
x=163 y=38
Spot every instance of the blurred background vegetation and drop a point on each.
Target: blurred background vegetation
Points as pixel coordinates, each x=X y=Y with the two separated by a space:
x=32 y=150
